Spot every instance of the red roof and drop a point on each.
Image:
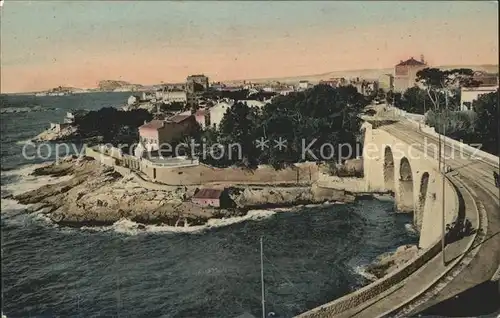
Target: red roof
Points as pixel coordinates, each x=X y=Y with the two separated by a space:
x=154 y=124
x=411 y=62
x=201 y=112
x=208 y=194
x=178 y=118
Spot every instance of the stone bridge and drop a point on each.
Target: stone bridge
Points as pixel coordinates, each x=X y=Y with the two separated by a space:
x=401 y=156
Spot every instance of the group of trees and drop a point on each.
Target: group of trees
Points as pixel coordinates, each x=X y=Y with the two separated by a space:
x=321 y=115
x=438 y=97
x=113 y=125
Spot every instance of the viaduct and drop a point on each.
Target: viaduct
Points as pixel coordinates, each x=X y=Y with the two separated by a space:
x=401 y=155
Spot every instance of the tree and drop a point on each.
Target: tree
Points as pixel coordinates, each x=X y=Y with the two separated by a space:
x=486 y=107
x=439 y=84
x=238 y=126
x=415 y=100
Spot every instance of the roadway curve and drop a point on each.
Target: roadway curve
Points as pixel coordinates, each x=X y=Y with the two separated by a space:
x=477 y=176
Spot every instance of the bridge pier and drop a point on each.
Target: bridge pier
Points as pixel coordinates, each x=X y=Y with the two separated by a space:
x=413 y=177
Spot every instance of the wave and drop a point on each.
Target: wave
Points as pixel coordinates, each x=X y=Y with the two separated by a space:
x=11 y=110
x=128 y=227
x=22 y=180
x=23 y=142
x=384 y=197
x=362 y=271
x=411 y=228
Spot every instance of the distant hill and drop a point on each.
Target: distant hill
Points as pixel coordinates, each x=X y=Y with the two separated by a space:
x=65 y=89
x=364 y=73
x=117 y=86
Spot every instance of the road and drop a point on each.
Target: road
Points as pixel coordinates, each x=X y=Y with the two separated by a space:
x=435 y=282
x=477 y=175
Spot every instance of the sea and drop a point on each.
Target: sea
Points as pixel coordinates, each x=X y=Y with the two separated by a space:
x=311 y=255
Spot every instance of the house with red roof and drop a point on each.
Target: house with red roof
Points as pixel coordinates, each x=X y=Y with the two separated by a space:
x=201 y=116
x=157 y=132
x=209 y=197
x=406 y=73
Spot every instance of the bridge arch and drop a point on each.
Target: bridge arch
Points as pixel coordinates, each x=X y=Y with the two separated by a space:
x=388 y=169
x=422 y=195
x=405 y=186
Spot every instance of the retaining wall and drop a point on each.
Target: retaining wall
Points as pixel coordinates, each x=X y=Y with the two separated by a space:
x=202 y=174
x=350 y=184
x=102 y=158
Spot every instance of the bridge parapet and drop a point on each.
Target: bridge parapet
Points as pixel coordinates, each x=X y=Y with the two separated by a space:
x=418 y=120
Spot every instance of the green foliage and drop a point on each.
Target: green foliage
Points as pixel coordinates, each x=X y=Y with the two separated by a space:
x=477 y=126
x=235 y=95
x=115 y=126
x=415 y=100
x=459 y=125
x=443 y=87
x=486 y=107
x=322 y=114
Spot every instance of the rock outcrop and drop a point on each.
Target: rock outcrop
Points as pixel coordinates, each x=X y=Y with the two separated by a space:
x=389 y=262
x=98 y=195
x=53 y=134
x=113 y=85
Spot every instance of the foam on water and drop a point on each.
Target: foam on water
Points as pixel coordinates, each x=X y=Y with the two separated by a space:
x=23 y=142
x=410 y=228
x=25 y=181
x=362 y=271
x=126 y=226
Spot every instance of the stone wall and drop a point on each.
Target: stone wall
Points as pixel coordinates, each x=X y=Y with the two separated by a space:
x=104 y=159
x=201 y=174
x=354 y=185
x=376 y=288
x=304 y=173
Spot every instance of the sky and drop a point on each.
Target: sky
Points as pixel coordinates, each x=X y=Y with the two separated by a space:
x=45 y=44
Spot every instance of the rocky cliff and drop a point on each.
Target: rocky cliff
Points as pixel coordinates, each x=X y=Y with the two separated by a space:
x=112 y=85
x=97 y=195
x=52 y=134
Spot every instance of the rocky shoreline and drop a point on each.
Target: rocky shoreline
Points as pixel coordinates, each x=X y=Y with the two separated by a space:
x=96 y=195
x=91 y=194
x=390 y=262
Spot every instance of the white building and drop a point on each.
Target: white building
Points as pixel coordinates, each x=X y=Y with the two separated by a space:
x=133 y=99
x=147 y=96
x=286 y=91
x=172 y=96
x=255 y=103
x=470 y=94
x=217 y=112
x=303 y=84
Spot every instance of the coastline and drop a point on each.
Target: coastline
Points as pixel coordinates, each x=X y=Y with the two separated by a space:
x=96 y=195
x=89 y=196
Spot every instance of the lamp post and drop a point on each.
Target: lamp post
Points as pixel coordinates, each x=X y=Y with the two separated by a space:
x=443 y=171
